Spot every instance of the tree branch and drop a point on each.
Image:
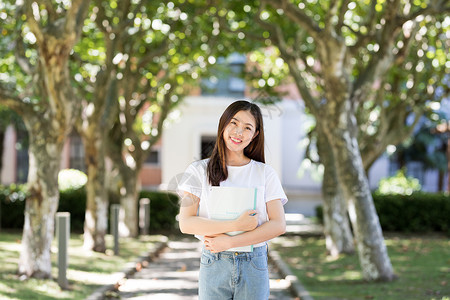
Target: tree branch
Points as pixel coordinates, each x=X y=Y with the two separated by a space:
x=300 y=82
x=101 y=16
x=21 y=58
x=32 y=22
x=161 y=49
x=8 y=99
x=363 y=39
x=435 y=7
x=383 y=59
x=330 y=14
x=51 y=12
x=342 y=11
x=75 y=16
x=297 y=15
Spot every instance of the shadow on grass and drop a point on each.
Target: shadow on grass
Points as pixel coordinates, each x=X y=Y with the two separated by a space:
x=87 y=270
x=420 y=263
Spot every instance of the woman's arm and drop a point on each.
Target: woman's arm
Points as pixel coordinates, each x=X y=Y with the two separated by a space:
x=192 y=224
x=270 y=229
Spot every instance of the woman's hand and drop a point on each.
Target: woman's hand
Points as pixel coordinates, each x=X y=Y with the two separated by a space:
x=217 y=243
x=247 y=221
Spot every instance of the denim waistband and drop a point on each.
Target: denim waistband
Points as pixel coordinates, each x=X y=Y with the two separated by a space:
x=257 y=251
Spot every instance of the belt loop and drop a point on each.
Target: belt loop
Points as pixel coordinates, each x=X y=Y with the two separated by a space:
x=248 y=256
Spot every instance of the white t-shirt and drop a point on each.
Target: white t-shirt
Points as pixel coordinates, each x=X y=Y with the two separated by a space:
x=253 y=175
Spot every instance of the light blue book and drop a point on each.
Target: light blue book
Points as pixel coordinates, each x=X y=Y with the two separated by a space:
x=228 y=203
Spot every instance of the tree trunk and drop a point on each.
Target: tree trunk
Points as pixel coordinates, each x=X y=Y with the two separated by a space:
x=42 y=200
x=373 y=257
x=128 y=218
x=338 y=235
x=96 y=217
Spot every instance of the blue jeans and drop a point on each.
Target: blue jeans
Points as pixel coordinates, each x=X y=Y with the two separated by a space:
x=234 y=275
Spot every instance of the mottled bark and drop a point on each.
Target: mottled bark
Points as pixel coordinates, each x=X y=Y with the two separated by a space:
x=43 y=196
x=128 y=218
x=129 y=188
x=48 y=122
x=95 y=120
x=338 y=235
x=129 y=160
x=373 y=256
x=334 y=82
x=96 y=217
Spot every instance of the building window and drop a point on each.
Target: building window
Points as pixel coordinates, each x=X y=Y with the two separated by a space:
x=153 y=158
x=76 y=152
x=207 y=146
x=228 y=79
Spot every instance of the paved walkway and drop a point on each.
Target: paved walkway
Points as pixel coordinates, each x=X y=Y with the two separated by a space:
x=174 y=275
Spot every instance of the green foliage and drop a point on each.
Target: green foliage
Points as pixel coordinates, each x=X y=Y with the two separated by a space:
x=426 y=147
x=16 y=38
x=71 y=179
x=13 y=197
x=12 y=205
x=399 y=184
x=163 y=209
x=418 y=212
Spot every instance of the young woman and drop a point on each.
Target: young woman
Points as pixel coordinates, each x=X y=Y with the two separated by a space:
x=236 y=161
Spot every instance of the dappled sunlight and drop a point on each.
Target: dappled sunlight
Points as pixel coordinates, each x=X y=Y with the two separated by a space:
x=421 y=264
x=180 y=255
x=345 y=276
x=279 y=284
x=87 y=269
x=93 y=278
x=10 y=247
x=284 y=241
x=6 y=289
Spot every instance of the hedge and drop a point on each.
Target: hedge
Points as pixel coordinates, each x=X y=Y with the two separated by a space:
x=163 y=207
x=419 y=212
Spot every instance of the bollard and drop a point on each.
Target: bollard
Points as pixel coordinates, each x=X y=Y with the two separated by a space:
x=115 y=209
x=144 y=215
x=63 y=234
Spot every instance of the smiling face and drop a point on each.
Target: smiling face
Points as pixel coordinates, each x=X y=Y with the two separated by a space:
x=239 y=132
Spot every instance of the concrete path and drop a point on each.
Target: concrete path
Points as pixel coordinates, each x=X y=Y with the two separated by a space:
x=174 y=275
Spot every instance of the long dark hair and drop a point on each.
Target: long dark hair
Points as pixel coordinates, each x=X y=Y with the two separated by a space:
x=217 y=167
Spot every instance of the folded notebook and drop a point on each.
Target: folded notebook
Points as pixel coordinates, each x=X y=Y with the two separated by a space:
x=228 y=203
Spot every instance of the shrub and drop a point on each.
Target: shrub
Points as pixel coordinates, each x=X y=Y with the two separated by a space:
x=12 y=201
x=163 y=209
x=399 y=184
x=418 y=212
x=12 y=205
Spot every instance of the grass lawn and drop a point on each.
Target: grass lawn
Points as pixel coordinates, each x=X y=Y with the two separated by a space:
x=87 y=270
x=421 y=262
